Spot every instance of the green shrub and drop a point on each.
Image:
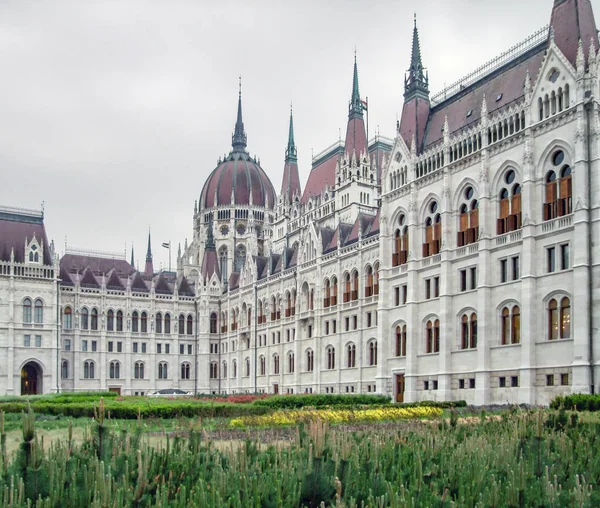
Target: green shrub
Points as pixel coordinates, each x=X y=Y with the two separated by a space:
x=299 y=401
x=578 y=401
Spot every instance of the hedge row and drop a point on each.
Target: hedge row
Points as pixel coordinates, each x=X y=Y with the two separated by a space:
x=129 y=410
x=59 y=397
x=299 y=401
x=578 y=401
x=433 y=403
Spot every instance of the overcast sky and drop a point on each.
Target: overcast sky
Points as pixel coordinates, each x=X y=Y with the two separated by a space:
x=113 y=113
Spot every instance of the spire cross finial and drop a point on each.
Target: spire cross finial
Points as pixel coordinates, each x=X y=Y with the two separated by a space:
x=415 y=20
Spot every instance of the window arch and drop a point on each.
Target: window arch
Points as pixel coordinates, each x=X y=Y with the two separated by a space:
x=400 y=252
x=401 y=340
x=119 y=321
x=167 y=323
x=213 y=322
x=262 y=366
x=376 y=278
x=64 y=369
x=110 y=320
x=89 y=368
x=510 y=325
x=144 y=322
x=334 y=291
x=347 y=287
x=94 y=320
x=373 y=352
x=185 y=370
x=224 y=370
x=223 y=264
x=559 y=318
x=68 y=318
x=84 y=322
x=330 y=357
x=135 y=321
x=163 y=370
x=310 y=360
x=27 y=311
x=214 y=370
x=351 y=355
x=181 y=324
x=38 y=316
x=509 y=218
x=247 y=363
x=190 y=325
x=468 y=221
x=138 y=370
x=433 y=230
x=158 y=322
x=558 y=188
x=432 y=336
x=291 y=362
x=114 y=370
x=275 y=364
x=327 y=298
x=355 y=285
x=468 y=331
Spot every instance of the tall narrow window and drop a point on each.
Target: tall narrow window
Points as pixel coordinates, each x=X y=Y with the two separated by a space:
x=401 y=340
x=144 y=322
x=558 y=195
x=369 y=282
x=565 y=318
x=400 y=251
x=351 y=349
x=355 y=285
x=373 y=352
x=509 y=218
x=213 y=322
x=189 y=325
x=110 y=320
x=84 y=322
x=553 y=320
x=468 y=225
x=167 y=323
x=334 y=291
x=516 y=325
x=135 y=325
x=327 y=298
x=68 y=318
x=433 y=231
x=38 y=317
x=119 y=321
x=158 y=323
x=94 y=320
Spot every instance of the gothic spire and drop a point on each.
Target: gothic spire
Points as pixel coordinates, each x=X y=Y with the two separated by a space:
x=356 y=106
x=149 y=251
x=149 y=269
x=291 y=155
x=239 y=138
x=417 y=81
x=132 y=263
x=210 y=240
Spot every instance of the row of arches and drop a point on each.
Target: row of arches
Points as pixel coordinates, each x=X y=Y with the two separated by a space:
x=115 y=370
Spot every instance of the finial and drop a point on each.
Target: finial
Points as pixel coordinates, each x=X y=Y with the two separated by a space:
x=415 y=20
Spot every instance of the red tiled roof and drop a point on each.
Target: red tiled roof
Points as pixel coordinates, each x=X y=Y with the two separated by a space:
x=13 y=233
x=414 y=121
x=242 y=174
x=210 y=264
x=356 y=137
x=573 y=20
x=78 y=263
x=320 y=176
x=290 y=184
x=509 y=82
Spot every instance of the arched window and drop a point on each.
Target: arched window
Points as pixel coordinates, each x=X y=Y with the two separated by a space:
x=510 y=325
x=84 y=324
x=468 y=224
x=185 y=371
x=214 y=370
x=247 y=362
x=351 y=352
x=27 y=311
x=310 y=360
x=163 y=370
x=88 y=370
x=38 y=316
x=373 y=352
x=509 y=218
x=291 y=362
x=181 y=324
x=433 y=231
x=432 y=336
x=158 y=322
x=262 y=367
x=355 y=285
x=515 y=327
x=331 y=357
x=144 y=322
x=401 y=340
x=234 y=368
x=400 y=252
x=94 y=322
x=468 y=331
x=347 y=287
x=224 y=370
x=559 y=319
x=189 y=325
x=334 y=291
x=64 y=369
x=376 y=279
x=67 y=318
x=565 y=318
x=558 y=198
x=110 y=320
x=138 y=370
x=223 y=264
x=119 y=321
x=167 y=323
x=369 y=282
x=114 y=370
x=213 y=322
x=327 y=298
x=275 y=364
x=288 y=304
x=135 y=321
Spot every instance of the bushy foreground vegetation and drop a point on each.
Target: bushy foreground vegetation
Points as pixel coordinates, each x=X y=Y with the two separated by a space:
x=526 y=459
x=578 y=401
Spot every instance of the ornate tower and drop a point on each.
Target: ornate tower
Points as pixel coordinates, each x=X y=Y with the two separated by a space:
x=149 y=270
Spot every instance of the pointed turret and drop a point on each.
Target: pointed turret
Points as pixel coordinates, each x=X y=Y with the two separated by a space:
x=132 y=263
x=210 y=263
x=356 y=137
x=572 y=21
x=416 y=97
x=290 y=184
x=239 y=138
x=149 y=270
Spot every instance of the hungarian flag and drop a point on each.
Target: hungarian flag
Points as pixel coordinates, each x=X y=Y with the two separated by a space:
x=166 y=245
x=364 y=104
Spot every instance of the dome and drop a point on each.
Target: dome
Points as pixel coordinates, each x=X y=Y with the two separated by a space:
x=242 y=174
x=238 y=174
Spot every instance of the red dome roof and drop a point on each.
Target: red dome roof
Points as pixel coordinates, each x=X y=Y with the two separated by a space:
x=242 y=174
